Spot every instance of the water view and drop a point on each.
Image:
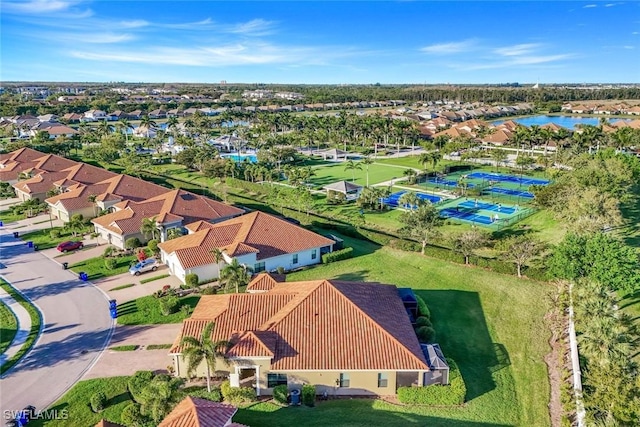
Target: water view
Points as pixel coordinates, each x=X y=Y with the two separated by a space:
x=569 y=122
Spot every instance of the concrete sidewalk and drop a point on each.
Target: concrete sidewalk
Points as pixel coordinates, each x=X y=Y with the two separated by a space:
x=24 y=326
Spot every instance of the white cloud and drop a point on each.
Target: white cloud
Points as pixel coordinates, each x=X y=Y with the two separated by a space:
x=589 y=6
x=38 y=6
x=253 y=27
x=94 y=38
x=635 y=33
x=136 y=23
x=517 y=50
x=629 y=47
x=451 y=47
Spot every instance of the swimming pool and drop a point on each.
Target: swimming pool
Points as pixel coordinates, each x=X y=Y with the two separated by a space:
x=238 y=158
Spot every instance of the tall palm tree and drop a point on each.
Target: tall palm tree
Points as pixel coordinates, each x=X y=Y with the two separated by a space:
x=366 y=162
x=148 y=124
x=436 y=156
x=172 y=124
x=196 y=351
x=409 y=199
x=234 y=275
x=352 y=166
x=124 y=126
x=104 y=128
x=218 y=257
x=498 y=156
x=424 y=159
x=149 y=228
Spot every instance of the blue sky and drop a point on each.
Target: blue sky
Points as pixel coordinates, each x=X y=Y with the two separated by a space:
x=327 y=42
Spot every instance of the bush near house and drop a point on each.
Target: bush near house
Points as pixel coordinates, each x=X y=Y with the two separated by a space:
x=169 y=305
x=423 y=321
x=132 y=243
x=153 y=246
x=110 y=263
x=137 y=383
x=309 y=394
x=98 y=401
x=237 y=395
x=345 y=253
x=281 y=394
x=191 y=280
x=215 y=395
x=437 y=395
x=426 y=334
x=422 y=307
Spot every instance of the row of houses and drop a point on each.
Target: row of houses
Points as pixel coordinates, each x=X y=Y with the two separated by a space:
x=346 y=338
x=607 y=109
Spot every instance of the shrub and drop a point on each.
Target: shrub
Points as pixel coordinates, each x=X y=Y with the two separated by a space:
x=426 y=334
x=241 y=395
x=132 y=243
x=132 y=415
x=423 y=321
x=280 y=270
x=281 y=394
x=225 y=388
x=54 y=234
x=215 y=395
x=98 y=401
x=108 y=251
x=447 y=395
x=153 y=246
x=345 y=253
x=191 y=280
x=309 y=394
x=185 y=310
x=168 y=305
x=110 y=263
x=422 y=308
x=138 y=382
x=209 y=290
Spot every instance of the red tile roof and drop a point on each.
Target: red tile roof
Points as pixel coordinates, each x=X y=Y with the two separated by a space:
x=258 y=232
x=265 y=282
x=196 y=412
x=315 y=325
x=88 y=174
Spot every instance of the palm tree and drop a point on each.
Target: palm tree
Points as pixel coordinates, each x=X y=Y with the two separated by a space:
x=124 y=126
x=436 y=156
x=218 y=257
x=498 y=156
x=411 y=175
x=425 y=159
x=149 y=227
x=234 y=275
x=409 y=199
x=196 y=351
x=352 y=166
x=147 y=123
x=104 y=128
x=172 y=124
x=366 y=162
x=92 y=199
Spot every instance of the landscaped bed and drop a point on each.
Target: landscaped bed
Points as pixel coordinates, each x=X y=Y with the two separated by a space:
x=146 y=311
x=8 y=327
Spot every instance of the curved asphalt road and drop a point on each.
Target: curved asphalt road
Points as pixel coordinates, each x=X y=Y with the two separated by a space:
x=76 y=327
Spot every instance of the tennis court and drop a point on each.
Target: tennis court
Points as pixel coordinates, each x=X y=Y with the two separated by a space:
x=393 y=200
x=510 y=192
x=446 y=182
x=483 y=212
x=507 y=178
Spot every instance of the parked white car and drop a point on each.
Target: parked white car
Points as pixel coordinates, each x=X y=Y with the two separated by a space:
x=149 y=264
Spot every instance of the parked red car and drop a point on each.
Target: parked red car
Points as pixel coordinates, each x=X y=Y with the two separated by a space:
x=69 y=246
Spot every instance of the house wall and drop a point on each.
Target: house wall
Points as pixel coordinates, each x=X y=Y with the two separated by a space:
x=206 y=272
x=22 y=195
x=286 y=261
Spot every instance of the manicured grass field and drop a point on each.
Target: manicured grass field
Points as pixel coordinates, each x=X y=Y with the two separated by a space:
x=42 y=238
x=96 y=269
x=335 y=172
x=146 y=311
x=8 y=216
x=491 y=324
x=8 y=327
x=35 y=326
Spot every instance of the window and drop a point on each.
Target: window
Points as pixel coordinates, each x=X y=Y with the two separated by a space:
x=295 y=258
x=344 y=380
x=257 y=268
x=314 y=254
x=382 y=380
x=276 y=379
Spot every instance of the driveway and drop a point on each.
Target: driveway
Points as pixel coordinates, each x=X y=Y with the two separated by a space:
x=76 y=324
x=138 y=290
x=115 y=363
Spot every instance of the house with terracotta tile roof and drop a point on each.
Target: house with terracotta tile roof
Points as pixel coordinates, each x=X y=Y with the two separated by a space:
x=345 y=338
x=171 y=209
x=259 y=241
x=264 y=282
x=196 y=412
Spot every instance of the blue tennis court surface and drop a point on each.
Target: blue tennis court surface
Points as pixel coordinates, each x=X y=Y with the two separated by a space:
x=508 y=178
x=465 y=215
x=487 y=207
x=393 y=199
x=447 y=182
x=524 y=194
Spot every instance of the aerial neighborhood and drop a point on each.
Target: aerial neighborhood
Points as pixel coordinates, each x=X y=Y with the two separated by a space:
x=266 y=214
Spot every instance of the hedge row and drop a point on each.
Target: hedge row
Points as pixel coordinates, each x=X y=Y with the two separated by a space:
x=437 y=395
x=345 y=253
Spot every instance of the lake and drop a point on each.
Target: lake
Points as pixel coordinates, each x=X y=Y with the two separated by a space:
x=568 y=122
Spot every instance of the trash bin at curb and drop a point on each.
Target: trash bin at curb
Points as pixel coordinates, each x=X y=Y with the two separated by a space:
x=35 y=247
x=65 y=265
x=16 y=234
x=1 y=223
x=30 y=244
x=83 y=276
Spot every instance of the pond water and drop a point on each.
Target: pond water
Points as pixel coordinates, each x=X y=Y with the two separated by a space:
x=568 y=122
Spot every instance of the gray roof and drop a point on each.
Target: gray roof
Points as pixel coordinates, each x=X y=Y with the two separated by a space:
x=343 y=187
x=434 y=356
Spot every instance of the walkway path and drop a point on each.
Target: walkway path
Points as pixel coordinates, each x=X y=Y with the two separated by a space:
x=76 y=323
x=24 y=326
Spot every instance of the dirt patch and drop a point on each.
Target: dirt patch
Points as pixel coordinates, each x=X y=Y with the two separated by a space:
x=553 y=366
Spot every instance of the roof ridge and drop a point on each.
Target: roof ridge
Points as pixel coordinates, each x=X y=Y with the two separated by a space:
x=370 y=319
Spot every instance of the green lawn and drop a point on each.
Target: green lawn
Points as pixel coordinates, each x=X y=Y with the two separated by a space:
x=335 y=172
x=146 y=311
x=8 y=327
x=8 y=216
x=491 y=324
x=96 y=269
x=35 y=326
x=76 y=403
x=42 y=238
